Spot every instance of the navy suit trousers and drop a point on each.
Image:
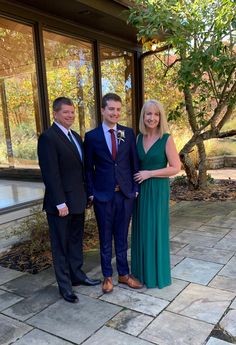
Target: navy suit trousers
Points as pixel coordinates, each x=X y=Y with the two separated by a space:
x=66 y=235
x=113 y=218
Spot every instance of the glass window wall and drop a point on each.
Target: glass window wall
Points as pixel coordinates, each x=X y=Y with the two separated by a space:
x=69 y=68
x=19 y=110
x=117 y=76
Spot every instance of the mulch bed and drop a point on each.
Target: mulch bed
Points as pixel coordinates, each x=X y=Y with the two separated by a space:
x=219 y=190
x=22 y=258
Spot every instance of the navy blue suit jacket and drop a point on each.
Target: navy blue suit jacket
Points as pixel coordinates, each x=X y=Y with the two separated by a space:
x=62 y=171
x=102 y=172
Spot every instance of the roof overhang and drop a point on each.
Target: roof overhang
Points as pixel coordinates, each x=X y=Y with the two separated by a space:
x=104 y=16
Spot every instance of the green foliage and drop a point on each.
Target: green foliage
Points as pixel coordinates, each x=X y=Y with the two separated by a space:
x=183 y=181
x=180 y=181
x=210 y=179
x=199 y=37
x=36 y=228
x=202 y=36
x=216 y=147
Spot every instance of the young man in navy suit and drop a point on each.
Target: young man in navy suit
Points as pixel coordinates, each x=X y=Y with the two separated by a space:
x=111 y=161
x=60 y=153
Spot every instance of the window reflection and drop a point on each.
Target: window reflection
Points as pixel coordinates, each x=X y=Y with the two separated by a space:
x=19 y=111
x=69 y=69
x=117 y=76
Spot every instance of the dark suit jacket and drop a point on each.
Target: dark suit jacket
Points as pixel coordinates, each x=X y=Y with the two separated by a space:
x=102 y=172
x=62 y=171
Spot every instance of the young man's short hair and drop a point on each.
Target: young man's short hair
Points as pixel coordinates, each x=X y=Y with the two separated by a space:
x=110 y=97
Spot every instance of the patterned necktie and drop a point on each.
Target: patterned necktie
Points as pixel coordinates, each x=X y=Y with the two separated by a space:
x=113 y=143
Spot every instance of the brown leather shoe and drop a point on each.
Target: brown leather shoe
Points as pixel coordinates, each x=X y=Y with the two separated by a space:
x=107 y=285
x=130 y=281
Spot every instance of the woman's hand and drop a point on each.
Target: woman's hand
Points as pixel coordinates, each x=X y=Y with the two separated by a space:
x=142 y=175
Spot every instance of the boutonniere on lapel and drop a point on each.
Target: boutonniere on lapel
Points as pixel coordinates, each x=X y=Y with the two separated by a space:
x=120 y=136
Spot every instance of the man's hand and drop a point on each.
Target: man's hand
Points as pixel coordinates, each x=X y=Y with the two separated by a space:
x=63 y=211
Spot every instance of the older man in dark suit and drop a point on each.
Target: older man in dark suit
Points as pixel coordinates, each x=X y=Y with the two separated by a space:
x=60 y=153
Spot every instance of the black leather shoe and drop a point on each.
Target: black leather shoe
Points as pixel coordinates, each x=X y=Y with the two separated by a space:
x=88 y=282
x=70 y=297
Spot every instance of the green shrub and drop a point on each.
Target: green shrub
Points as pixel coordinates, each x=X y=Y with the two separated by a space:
x=36 y=228
x=180 y=181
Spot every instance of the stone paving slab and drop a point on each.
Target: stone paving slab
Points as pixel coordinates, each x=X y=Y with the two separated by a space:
x=173 y=329
x=91 y=291
x=7 y=275
x=197 y=215
x=7 y=299
x=228 y=323
x=180 y=314
x=213 y=231
x=136 y=301
x=224 y=283
x=230 y=269
x=232 y=233
x=232 y=214
x=194 y=238
x=130 y=322
x=184 y=222
x=207 y=254
x=196 y=271
x=175 y=230
x=226 y=244
x=33 y=304
x=202 y=303
x=27 y=284
x=170 y=292
x=37 y=337
x=175 y=259
x=222 y=221
x=214 y=341
x=11 y=330
x=176 y=246
x=233 y=305
x=74 y=322
x=110 y=336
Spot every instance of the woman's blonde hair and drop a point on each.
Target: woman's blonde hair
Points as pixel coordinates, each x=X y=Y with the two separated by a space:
x=163 y=125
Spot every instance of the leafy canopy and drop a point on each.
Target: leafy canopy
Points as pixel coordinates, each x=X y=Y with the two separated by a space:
x=201 y=35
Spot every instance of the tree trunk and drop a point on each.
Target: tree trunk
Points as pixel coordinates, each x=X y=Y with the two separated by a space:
x=190 y=170
x=202 y=167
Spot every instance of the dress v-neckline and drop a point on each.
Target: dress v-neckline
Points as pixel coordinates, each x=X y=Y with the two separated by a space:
x=146 y=152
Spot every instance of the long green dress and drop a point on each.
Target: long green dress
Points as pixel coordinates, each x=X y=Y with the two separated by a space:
x=150 y=253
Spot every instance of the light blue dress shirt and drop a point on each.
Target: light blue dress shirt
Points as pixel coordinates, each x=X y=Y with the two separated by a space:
x=107 y=135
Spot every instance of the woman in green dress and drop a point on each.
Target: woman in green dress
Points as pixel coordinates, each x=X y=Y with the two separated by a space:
x=159 y=159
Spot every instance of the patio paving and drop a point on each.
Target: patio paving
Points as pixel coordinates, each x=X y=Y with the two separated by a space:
x=199 y=308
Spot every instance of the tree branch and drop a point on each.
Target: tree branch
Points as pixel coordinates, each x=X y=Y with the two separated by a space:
x=190 y=109
x=158 y=50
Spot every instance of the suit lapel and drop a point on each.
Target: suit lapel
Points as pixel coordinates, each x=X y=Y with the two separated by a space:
x=121 y=143
x=67 y=141
x=79 y=140
x=103 y=140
